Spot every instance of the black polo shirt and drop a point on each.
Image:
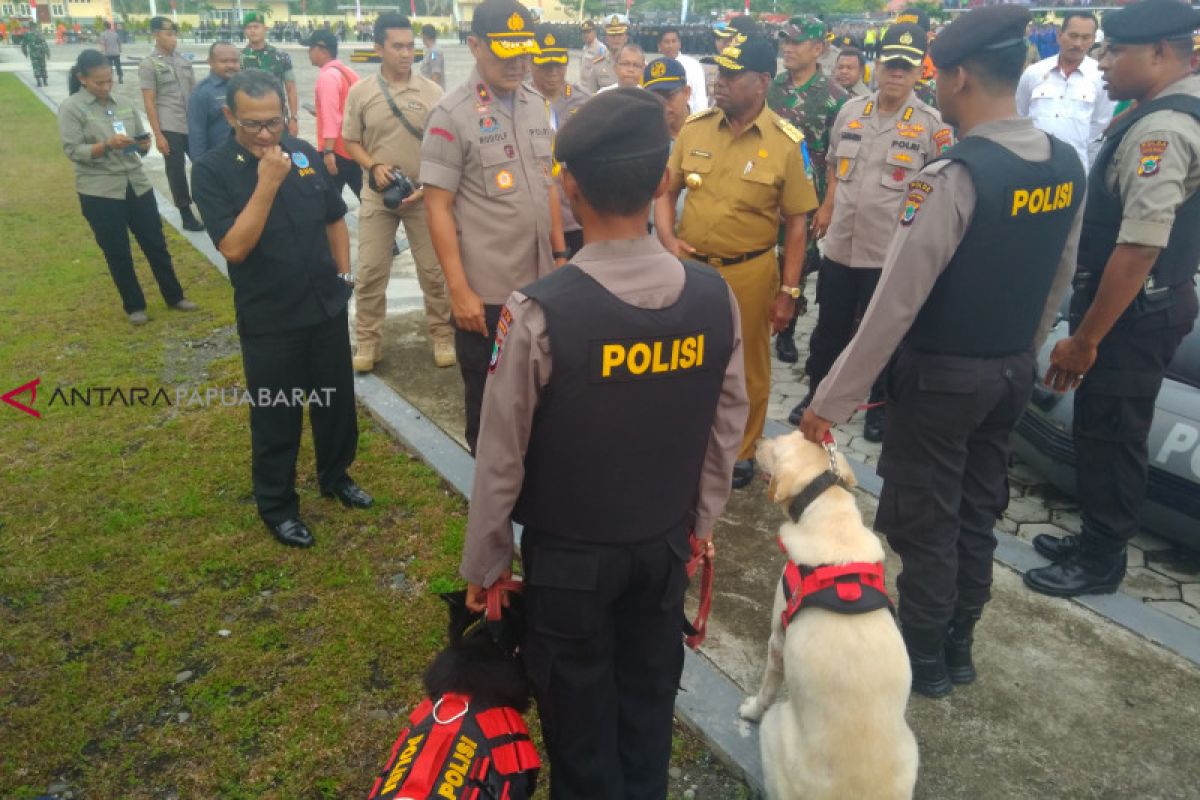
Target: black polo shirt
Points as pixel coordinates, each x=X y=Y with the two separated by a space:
x=289 y=280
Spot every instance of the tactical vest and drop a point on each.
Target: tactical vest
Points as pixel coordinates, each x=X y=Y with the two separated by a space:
x=621 y=431
x=1102 y=216
x=989 y=299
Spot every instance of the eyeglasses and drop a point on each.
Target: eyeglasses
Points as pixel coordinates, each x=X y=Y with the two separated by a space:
x=273 y=125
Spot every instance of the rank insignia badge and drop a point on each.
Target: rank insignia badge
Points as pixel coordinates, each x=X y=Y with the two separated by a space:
x=1151 y=154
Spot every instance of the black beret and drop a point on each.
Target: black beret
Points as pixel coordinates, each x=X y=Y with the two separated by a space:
x=1150 y=21
x=617 y=125
x=986 y=28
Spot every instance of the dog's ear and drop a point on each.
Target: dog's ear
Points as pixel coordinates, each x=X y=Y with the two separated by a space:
x=461 y=617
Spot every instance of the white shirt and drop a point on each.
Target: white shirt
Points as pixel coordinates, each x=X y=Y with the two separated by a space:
x=1075 y=108
x=695 y=79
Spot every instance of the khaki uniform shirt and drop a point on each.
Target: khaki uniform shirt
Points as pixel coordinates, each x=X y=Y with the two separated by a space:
x=745 y=182
x=859 y=89
x=497 y=164
x=641 y=273
x=595 y=70
x=1156 y=167
x=433 y=67
x=560 y=109
x=171 y=78
x=110 y=43
x=918 y=253
x=874 y=157
x=368 y=120
x=84 y=121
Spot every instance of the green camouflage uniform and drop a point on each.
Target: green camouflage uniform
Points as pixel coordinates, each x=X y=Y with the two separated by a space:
x=34 y=45
x=812 y=108
x=926 y=92
x=269 y=59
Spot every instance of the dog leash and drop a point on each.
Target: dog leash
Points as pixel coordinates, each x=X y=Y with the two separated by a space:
x=700 y=560
x=495 y=596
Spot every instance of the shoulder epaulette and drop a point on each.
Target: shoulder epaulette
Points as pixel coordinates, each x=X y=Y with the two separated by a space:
x=701 y=114
x=789 y=130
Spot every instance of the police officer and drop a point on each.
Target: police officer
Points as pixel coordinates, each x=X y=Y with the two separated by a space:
x=607 y=469
x=982 y=255
x=1134 y=299
x=167 y=82
x=433 y=62
x=743 y=167
x=275 y=214
x=806 y=96
x=879 y=143
x=489 y=196
x=259 y=55
x=616 y=36
x=593 y=61
x=548 y=76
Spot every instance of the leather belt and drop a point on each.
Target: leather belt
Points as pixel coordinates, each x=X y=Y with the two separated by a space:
x=713 y=261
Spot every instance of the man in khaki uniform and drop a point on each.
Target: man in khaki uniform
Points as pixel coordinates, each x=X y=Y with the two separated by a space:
x=593 y=56
x=382 y=127
x=167 y=81
x=493 y=209
x=877 y=144
x=743 y=167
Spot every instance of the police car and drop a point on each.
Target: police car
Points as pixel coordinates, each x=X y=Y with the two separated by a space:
x=1172 y=507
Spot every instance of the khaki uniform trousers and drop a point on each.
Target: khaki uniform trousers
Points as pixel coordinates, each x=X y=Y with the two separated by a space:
x=377 y=226
x=755 y=284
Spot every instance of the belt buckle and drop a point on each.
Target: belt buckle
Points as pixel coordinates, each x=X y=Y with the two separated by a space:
x=713 y=261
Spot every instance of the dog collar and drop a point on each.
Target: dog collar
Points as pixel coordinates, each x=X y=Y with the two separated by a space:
x=808 y=495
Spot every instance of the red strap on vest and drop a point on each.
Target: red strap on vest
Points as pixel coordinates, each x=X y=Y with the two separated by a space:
x=700 y=558
x=495 y=597
x=422 y=779
x=798 y=586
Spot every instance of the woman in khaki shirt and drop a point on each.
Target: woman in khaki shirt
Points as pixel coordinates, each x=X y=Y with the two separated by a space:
x=104 y=138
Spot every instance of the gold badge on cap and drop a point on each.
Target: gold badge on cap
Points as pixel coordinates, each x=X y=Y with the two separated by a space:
x=693 y=180
x=515 y=23
x=550 y=40
x=906 y=38
x=658 y=70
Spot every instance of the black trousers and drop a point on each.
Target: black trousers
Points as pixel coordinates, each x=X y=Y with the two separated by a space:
x=115 y=63
x=349 y=173
x=843 y=294
x=177 y=169
x=1114 y=408
x=474 y=353
x=111 y=222
x=945 y=475
x=307 y=360
x=604 y=651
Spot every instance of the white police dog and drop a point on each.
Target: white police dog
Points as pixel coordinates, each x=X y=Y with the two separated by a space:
x=841 y=732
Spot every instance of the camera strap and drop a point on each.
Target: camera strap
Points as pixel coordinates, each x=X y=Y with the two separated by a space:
x=414 y=130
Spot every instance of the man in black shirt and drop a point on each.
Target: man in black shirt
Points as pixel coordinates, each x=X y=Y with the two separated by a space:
x=276 y=216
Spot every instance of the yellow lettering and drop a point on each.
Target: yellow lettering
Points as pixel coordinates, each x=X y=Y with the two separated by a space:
x=687 y=353
x=1036 y=200
x=700 y=350
x=446 y=791
x=657 y=365
x=1070 y=187
x=410 y=750
x=612 y=356
x=1020 y=200
x=639 y=358
x=455 y=774
x=674 y=355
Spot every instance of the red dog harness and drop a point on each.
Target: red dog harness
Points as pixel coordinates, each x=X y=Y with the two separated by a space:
x=854 y=588
x=450 y=751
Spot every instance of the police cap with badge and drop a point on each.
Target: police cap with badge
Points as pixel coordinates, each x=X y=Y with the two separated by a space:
x=755 y=54
x=553 y=50
x=1150 y=21
x=903 y=42
x=664 y=75
x=617 y=125
x=982 y=30
x=506 y=27
x=616 y=24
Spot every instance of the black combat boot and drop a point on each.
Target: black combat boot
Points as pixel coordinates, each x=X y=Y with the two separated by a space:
x=1085 y=571
x=1056 y=548
x=959 y=636
x=797 y=413
x=927 y=655
x=785 y=344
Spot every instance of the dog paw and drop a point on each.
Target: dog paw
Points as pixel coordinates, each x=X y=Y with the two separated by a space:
x=752 y=709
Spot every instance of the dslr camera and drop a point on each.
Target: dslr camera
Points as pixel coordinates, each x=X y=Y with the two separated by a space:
x=396 y=192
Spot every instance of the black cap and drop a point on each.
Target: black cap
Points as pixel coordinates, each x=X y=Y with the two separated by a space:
x=554 y=50
x=587 y=25
x=744 y=24
x=617 y=125
x=904 y=42
x=848 y=41
x=664 y=75
x=1150 y=21
x=913 y=16
x=506 y=26
x=322 y=38
x=983 y=29
x=162 y=24
x=756 y=54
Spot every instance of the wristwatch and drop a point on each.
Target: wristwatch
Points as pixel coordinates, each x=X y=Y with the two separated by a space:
x=348 y=278
x=792 y=291
x=561 y=253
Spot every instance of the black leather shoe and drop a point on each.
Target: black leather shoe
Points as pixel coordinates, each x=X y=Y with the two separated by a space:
x=797 y=413
x=926 y=654
x=351 y=495
x=1056 y=548
x=785 y=349
x=873 y=424
x=293 y=533
x=959 y=638
x=743 y=473
x=1079 y=573
x=190 y=223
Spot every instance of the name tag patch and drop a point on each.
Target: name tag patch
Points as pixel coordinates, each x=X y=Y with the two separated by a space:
x=646 y=359
x=1042 y=200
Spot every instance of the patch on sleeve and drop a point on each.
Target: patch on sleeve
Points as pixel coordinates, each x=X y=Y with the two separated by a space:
x=943 y=140
x=442 y=132
x=1151 y=153
x=917 y=192
x=808 y=165
x=502 y=326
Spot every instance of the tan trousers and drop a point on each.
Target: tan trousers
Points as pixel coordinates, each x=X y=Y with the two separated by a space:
x=755 y=284
x=377 y=226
